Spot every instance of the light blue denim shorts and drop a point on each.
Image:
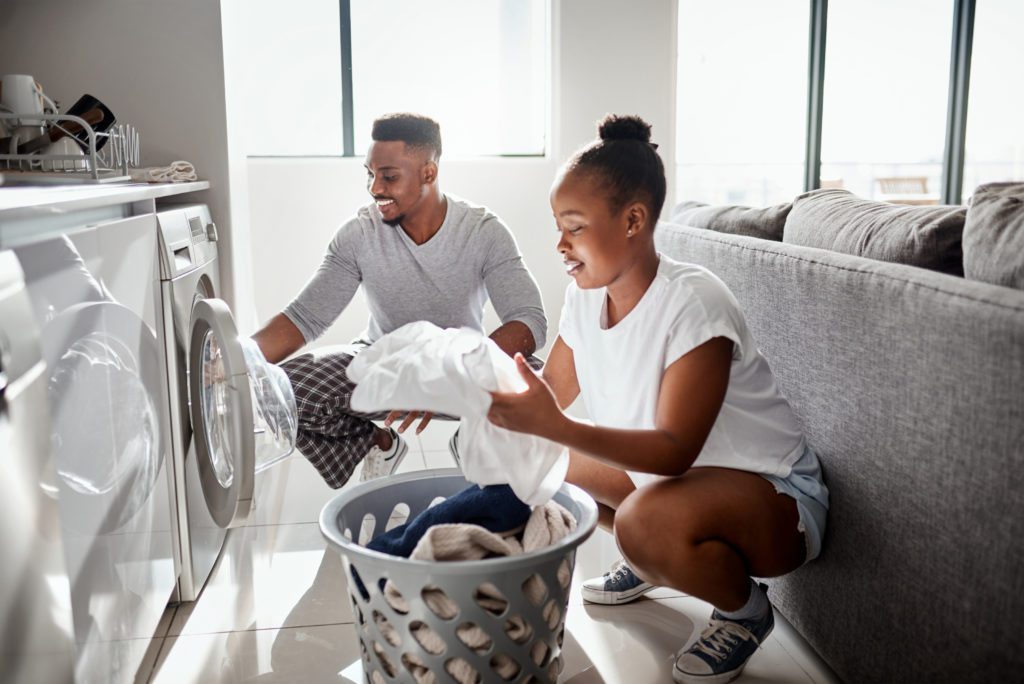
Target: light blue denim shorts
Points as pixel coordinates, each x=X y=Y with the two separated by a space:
x=806 y=486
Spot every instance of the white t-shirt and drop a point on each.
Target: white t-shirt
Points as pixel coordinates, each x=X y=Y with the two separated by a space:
x=620 y=368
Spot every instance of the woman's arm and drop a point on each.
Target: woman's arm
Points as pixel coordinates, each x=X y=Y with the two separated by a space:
x=691 y=395
x=560 y=373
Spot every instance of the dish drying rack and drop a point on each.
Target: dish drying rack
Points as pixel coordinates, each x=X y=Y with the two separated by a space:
x=109 y=165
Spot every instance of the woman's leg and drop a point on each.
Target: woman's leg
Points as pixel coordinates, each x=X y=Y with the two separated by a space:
x=609 y=486
x=706 y=532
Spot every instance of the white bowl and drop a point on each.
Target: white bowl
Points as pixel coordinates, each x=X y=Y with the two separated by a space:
x=65 y=147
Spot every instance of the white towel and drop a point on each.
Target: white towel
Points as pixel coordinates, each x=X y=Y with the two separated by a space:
x=422 y=367
x=177 y=172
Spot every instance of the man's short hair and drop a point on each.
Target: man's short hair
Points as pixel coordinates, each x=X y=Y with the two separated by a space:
x=414 y=130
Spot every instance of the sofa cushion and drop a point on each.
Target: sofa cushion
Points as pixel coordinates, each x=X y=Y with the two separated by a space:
x=994 y=235
x=929 y=237
x=764 y=223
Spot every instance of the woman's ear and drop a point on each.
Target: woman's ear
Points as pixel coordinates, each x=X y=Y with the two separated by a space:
x=636 y=218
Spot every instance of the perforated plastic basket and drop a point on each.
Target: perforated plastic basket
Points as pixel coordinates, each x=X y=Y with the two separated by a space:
x=493 y=620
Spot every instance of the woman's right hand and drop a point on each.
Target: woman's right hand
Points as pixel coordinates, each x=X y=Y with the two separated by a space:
x=534 y=411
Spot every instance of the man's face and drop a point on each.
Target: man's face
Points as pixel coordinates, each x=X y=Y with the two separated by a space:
x=398 y=177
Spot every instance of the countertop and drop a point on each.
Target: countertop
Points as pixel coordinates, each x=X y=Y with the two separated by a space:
x=31 y=213
x=18 y=199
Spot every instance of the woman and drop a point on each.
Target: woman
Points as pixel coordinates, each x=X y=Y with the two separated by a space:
x=696 y=460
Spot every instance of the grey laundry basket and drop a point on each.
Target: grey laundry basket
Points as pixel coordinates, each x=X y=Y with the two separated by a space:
x=523 y=637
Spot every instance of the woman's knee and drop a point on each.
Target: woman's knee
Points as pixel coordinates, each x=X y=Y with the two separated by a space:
x=640 y=529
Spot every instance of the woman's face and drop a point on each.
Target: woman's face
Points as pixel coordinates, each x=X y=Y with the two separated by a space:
x=594 y=243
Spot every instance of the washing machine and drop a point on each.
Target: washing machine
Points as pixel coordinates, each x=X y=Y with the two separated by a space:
x=222 y=431
x=36 y=632
x=94 y=297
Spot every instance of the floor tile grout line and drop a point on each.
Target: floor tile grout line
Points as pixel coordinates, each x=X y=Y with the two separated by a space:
x=797 y=660
x=261 y=629
x=278 y=524
x=156 y=659
x=803 y=669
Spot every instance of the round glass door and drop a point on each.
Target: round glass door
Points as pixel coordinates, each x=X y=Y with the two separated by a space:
x=222 y=413
x=216 y=399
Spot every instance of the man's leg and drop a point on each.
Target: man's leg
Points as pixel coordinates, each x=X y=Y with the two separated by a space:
x=332 y=436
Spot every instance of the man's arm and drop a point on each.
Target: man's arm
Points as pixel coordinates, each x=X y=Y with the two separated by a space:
x=514 y=294
x=515 y=336
x=279 y=339
x=319 y=303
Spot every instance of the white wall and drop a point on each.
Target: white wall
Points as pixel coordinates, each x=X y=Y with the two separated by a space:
x=159 y=66
x=608 y=56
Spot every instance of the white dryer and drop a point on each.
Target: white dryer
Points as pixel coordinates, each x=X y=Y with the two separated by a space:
x=36 y=629
x=94 y=296
x=222 y=433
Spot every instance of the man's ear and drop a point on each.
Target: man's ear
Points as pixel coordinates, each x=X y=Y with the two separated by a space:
x=636 y=218
x=429 y=173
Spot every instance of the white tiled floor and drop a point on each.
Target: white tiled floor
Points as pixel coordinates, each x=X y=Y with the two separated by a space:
x=276 y=608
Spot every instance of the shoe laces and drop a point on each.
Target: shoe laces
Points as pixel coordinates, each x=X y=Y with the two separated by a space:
x=619 y=571
x=719 y=638
x=374 y=462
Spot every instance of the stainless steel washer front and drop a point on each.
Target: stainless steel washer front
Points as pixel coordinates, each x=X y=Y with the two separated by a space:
x=213 y=466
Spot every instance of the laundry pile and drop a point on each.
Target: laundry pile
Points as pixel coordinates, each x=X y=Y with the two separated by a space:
x=460 y=541
x=494 y=508
x=453 y=371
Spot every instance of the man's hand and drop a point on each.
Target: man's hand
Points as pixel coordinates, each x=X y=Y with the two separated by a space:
x=534 y=411
x=410 y=417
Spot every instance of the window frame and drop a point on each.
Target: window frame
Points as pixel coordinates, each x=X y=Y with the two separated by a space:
x=957 y=97
x=347 y=98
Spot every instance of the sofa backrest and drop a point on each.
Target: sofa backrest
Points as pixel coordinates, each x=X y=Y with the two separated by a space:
x=910 y=385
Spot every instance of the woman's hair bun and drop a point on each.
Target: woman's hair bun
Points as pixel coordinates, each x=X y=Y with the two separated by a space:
x=615 y=127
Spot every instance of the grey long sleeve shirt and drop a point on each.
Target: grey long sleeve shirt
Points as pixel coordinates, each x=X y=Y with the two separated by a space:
x=446 y=280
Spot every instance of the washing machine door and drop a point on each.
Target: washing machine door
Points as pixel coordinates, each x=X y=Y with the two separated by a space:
x=222 y=413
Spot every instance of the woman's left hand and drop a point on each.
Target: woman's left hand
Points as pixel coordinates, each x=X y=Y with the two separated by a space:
x=534 y=411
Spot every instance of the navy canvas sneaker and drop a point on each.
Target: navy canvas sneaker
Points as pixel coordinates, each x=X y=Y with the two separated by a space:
x=722 y=650
x=618 y=585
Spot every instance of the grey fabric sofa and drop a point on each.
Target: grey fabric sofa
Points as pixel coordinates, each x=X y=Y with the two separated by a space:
x=910 y=385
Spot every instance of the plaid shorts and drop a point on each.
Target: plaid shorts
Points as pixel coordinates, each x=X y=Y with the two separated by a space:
x=331 y=435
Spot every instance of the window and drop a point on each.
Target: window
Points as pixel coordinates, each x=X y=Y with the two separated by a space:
x=480 y=67
x=741 y=100
x=995 y=135
x=293 y=78
x=885 y=97
x=892 y=112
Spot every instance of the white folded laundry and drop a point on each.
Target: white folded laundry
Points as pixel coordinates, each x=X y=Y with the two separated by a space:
x=422 y=367
x=177 y=172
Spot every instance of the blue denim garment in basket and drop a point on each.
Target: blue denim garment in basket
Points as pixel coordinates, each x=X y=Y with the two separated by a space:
x=494 y=507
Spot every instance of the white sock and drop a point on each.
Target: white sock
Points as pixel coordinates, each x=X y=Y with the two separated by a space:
x=756 y=607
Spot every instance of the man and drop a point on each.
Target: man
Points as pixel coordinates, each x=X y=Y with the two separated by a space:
x=419 y=255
